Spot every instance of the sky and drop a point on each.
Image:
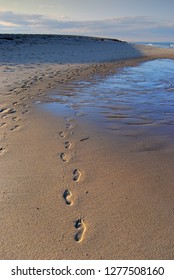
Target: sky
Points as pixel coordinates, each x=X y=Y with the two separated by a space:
x=130 y=20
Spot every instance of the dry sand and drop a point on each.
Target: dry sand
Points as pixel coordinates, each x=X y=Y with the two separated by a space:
x=69 y=191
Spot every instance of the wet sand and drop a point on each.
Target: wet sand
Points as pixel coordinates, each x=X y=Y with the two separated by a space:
x=68 y=190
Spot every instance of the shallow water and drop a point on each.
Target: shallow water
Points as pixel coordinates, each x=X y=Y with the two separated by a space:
x=165 y=45
x=134 y=100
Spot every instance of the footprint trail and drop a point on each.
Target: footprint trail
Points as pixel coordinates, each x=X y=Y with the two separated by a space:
x=79 y=224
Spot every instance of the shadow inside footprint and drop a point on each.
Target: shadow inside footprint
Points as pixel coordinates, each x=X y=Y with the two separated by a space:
x=80 y=225
x=66 y=195
x=84 y=139
x=2 y=110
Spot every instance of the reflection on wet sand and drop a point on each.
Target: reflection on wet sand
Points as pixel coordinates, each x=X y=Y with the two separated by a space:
x=133 y=99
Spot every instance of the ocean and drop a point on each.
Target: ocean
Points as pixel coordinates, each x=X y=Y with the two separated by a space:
x=166 y=45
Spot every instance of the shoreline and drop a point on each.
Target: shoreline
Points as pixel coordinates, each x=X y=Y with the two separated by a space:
x=42 y=156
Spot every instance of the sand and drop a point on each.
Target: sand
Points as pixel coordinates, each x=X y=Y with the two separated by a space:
x=68 y=190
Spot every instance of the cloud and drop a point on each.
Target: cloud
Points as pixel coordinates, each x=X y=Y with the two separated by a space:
x=127 y=28
x=8 y=24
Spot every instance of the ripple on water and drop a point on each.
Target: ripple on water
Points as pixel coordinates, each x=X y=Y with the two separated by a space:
x=141 y=96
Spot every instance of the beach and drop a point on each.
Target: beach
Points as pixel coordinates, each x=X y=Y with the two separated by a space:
x=69 y=188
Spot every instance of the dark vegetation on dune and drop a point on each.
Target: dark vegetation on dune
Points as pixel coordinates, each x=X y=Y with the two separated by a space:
x=11 y=37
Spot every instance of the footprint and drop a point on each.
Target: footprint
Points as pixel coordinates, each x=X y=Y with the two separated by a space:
x=1 y=150
x=2 y=110
x=25 y=105
x=84 y=139
x=25 y=112
x=67 y=193
x=67 y=119
x=2 y=124
x=64 y=157
x=14 y=127
x=80 y=224
x=15 y=119
x=62 y=134
x=68 y=125
x=77 y=175
x=10 y=111
x=67 y=145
